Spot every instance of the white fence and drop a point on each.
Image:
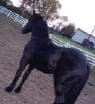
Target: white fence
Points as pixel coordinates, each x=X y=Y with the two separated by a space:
x=16 y=17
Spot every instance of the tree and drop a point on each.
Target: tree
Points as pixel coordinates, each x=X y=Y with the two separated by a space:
x=47 y=8
x=4 y=2
x=68 y=30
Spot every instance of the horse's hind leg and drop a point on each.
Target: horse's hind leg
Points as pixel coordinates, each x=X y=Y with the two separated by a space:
x=73 y=93
x=68 y=92
x=25 y=76
x=22 y=65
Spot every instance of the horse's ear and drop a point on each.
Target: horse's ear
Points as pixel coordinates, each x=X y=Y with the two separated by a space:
x=34 y=12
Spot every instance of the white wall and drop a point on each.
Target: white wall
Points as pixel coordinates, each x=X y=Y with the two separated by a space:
x=92 y=39
x=80 y=35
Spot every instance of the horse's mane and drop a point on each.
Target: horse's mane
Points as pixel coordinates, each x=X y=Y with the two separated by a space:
x=40 y=27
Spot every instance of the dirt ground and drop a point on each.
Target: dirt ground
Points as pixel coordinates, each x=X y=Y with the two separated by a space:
x=38 y=89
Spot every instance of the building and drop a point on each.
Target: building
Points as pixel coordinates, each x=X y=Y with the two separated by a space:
x=81 y=35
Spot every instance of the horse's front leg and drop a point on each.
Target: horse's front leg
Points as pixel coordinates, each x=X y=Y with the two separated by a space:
x=22 y=66
x=25 y=76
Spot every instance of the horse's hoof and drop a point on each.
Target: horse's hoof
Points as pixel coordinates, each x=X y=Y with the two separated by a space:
x=17 y=90
x=8 y=89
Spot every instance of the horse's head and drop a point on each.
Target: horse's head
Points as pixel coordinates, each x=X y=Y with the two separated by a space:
x=31 y=22
x=37 y=25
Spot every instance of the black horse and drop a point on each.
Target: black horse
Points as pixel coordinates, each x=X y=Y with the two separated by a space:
x=68 y=65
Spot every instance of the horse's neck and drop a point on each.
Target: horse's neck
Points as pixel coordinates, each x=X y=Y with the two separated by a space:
x=43 y=41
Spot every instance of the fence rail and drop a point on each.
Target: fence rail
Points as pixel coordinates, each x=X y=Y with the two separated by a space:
x=16 y=17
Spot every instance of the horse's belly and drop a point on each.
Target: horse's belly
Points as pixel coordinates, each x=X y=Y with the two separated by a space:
x=45 y=63
x=47 y=71
x=44 y=67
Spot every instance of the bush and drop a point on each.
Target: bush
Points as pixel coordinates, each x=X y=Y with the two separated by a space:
x=68 y=31
x=3 y=2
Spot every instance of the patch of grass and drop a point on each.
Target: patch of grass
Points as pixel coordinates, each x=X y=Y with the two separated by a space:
x=65 y=39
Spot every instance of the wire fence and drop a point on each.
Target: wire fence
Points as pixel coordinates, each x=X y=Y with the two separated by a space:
x=17 y=18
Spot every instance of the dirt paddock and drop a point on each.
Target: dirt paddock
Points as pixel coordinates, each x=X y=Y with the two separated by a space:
x=38 y=89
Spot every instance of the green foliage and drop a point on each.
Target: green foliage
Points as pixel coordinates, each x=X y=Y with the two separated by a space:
x=68 y=31
x=3 y=2
x=14 y=9
x=11 y=7
x=6 y=3
x=48 y=8
x=17 y=10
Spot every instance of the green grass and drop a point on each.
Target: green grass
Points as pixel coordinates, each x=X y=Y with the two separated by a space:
x=65 y=39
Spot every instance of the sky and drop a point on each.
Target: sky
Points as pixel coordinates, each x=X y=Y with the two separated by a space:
x=79 y=12
x=16 y=2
